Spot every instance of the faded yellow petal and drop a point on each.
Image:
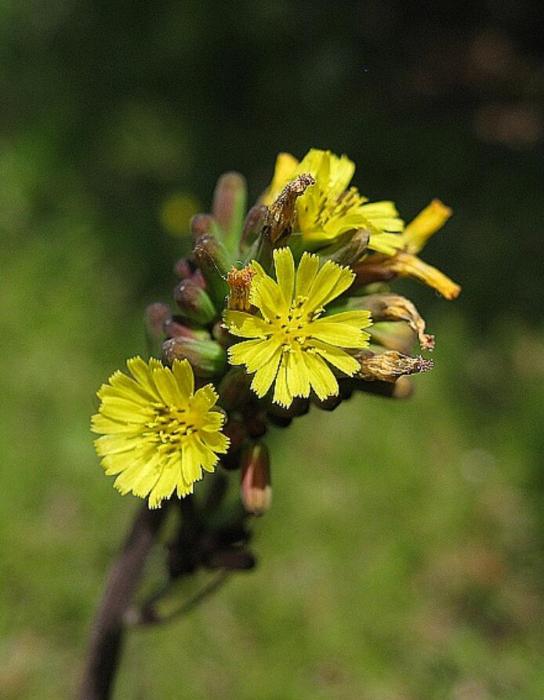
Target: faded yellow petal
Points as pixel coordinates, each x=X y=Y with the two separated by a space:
x=425 y=224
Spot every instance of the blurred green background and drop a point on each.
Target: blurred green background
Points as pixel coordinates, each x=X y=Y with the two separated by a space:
x=404 y=556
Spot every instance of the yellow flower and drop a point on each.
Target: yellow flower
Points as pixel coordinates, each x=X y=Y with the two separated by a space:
x=328 y=209
x=157 y=433
x=291 y=343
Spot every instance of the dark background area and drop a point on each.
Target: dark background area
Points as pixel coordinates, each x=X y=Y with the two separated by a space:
x=122 y=103
x=403 y=556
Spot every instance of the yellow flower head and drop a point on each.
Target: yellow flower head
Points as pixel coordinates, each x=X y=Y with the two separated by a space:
x=291 y=343
x=328 y=208
x=157 y=433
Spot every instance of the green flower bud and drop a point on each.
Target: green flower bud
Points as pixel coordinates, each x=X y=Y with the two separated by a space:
x=350 y=247
x=214 y=263
x=206 y=356
x=194 y=302
x=229 y=205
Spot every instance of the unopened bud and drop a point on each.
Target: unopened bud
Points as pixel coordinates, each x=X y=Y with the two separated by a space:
x=214 y=262
x=390 y=365
x=234 y=389
x=206 y=356
x=183 y=269
x=346 y=252
x=155 y=317
x=255 y=488
x=204 y=224
x=239 y=282
x=229 y=205
x=393 y=307
x=174 y=328
x=253 y=225
x=194 y=302
x=393 y=335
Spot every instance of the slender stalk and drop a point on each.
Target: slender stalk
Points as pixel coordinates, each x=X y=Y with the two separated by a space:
x=108 y=628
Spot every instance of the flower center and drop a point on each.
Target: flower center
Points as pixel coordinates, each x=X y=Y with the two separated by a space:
x=169 y=426
x=293 y=327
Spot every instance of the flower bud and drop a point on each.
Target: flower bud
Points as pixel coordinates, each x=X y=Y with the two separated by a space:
x=206 y=356
x=390 y=365
x=155 y=317
x=229 y=205
x=253 y=224
x=183 y=269
x=234 y=389
x=393 y=335
x=255 y=488
x=194 y=302
x=204 y=224
x=214 y=263
x=174 y=328
x=393 y=307
x=350 y=248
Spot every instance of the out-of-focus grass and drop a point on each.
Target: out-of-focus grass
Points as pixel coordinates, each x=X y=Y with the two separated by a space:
x=402 y=558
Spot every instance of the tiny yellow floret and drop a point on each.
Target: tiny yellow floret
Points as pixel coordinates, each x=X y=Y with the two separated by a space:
x=292 y=343
x=157 y=433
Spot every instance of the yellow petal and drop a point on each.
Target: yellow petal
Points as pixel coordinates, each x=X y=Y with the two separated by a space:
x=306 y=273
x=183 y=372
x=322 y=379
x=337 y=358
x=282 y=395
x=122 y=410
x=246 y=325
x=168 y=387
x=341 y=334
x=265 y=294
x=357 y=318
x=204 y=399
x=330 y=282
x=425 y=224
x=218 y=442
x=285 y=170
x=285 y=272
x=253 y=353
x=265 y=375
x=411 y=266
x=167 y=482
x=141 y=372
x=298 y=379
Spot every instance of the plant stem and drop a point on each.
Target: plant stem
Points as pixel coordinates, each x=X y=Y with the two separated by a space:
x=108 y=628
